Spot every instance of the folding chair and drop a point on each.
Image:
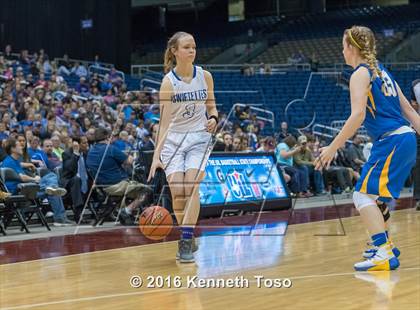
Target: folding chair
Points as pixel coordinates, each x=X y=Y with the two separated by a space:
x=99 y=199
x=22 y=206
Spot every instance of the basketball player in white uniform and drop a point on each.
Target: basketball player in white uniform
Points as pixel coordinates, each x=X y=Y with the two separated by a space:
x=188 y=119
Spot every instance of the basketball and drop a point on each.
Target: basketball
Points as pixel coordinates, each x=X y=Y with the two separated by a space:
x=155 y=223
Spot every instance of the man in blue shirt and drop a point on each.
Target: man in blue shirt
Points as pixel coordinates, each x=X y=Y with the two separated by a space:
x=285 y=151
x=111 y=171
x=48 y=184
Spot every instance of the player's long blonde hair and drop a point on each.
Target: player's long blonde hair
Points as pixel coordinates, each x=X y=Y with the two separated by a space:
x=169 y=60
x=363 y=39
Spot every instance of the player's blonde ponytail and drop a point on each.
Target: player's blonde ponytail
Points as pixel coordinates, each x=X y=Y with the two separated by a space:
x=169 y=60
x=364 y=39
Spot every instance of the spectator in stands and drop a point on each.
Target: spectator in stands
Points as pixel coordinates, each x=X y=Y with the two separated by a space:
x=342 y=160
x=4 y=133
x=146 y=143
x=96 y=61
x=37 y=156
x=3 y=64
x=237 y=144
x=140 y=130
x=83 y=87
x=79 y=70
x=264 y=145
x=153 y=115
x=304 y=161
x=267 y=69
x=52 y=161
x=74 y=177
x=65 y=67
x=339 y=175
x=48 y=183
x=245 y=144
x=115 y=77
x=46 y=66
x=3 y=153
x=112 y=170
x=285 y=151
x=355 y=154
x=122 y=143
x=8 y=53
x=106 y=84
x=284 y=131
x=25 y=160
x=24 y=57
x=228 y=142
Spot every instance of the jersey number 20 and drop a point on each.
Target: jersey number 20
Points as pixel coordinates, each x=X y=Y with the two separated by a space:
x=388 y=88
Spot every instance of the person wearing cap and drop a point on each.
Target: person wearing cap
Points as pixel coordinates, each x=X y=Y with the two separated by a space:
x=415 y=103
x=304 y=161
x=285 y=152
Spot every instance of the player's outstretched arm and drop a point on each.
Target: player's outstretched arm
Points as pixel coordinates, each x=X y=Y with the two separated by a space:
x=359 y=85
x=408 y=111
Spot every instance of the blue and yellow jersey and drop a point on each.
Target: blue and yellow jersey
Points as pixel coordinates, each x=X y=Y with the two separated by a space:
x=383 y=111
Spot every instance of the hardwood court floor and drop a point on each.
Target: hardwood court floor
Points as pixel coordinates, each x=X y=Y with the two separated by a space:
x=316 y=257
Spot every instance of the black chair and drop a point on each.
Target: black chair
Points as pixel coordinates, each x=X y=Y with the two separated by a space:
x=67 y=199
x=23 y=205
x=100 y=200
x=2 y=228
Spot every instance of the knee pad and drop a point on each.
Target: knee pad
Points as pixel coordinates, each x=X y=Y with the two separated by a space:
x=362 y=200
x=385 y=210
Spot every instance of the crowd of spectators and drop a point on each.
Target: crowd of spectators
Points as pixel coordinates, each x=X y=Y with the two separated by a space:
x=49 y=122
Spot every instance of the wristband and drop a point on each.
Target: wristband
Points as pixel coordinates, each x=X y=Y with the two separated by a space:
x=215 y=118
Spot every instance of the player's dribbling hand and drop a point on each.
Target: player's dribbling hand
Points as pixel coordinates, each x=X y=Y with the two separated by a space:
x=155 y=165
x=325 y=158
x=211 y=125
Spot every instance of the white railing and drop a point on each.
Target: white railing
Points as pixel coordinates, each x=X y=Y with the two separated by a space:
x=101 y=71
x=137 y=70
x=330 y=132
x=339 y=124
x=86 y=63
x=149 y=81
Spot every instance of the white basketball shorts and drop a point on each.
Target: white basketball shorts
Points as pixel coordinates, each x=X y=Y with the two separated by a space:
x=183 y=151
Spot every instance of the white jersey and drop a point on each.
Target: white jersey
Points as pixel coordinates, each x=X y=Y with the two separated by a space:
x=188 y=109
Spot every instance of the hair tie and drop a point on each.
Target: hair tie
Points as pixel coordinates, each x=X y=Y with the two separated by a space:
x=354 y=41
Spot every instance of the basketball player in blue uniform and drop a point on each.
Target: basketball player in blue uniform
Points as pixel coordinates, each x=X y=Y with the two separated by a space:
x=376 y=100
x=188 y=119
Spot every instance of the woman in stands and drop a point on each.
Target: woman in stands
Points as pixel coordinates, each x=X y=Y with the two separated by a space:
x=188 y=119
x=376 y=100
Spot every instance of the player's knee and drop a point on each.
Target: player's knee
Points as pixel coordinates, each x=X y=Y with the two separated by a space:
x=362 y=200
x=177 y=193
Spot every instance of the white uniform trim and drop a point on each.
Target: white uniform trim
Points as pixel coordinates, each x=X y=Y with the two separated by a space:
x=362 y=200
